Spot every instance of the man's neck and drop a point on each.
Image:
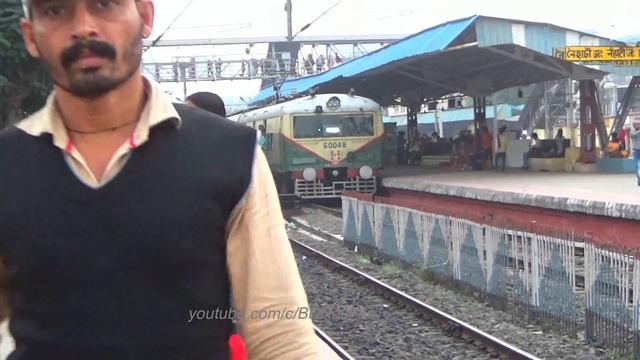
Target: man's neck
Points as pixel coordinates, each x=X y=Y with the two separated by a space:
x=119 y=106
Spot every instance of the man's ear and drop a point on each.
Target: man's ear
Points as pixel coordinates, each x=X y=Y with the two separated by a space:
x=27 y=35
x=147 y=14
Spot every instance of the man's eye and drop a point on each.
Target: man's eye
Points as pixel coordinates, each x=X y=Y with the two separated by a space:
x=54 y=10
x=105 y=4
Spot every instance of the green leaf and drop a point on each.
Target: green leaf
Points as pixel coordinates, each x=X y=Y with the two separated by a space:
x=20 y=75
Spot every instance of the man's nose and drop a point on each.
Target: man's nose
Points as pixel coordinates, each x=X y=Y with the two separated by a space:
x=83 y=22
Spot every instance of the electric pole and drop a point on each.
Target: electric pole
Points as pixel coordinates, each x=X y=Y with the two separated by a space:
x=287 y=8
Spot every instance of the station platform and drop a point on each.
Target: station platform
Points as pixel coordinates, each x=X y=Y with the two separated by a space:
x=616 y=195
x=602 y=207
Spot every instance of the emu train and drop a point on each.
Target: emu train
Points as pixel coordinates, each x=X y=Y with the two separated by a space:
x=318 y=146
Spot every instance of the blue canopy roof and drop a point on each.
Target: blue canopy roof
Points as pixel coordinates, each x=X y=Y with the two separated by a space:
x=428 y=41
x=476 y=56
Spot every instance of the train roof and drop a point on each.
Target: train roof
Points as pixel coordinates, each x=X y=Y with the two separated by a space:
x=308 y=104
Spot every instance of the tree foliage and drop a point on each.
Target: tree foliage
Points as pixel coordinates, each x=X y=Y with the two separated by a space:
x=24 y=83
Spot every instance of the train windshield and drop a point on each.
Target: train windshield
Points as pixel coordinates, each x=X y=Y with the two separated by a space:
x=323 y=126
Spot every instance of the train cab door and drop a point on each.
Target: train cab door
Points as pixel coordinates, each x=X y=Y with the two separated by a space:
x=272 y=127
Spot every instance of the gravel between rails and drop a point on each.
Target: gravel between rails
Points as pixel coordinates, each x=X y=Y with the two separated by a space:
x=498 y=323
x=368 y=325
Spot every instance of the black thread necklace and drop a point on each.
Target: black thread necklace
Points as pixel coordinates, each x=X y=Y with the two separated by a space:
x=113 y=128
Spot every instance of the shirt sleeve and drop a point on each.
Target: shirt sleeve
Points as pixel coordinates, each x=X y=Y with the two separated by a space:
x=266 y=287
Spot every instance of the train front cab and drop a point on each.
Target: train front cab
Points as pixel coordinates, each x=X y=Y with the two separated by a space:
x=333 y=152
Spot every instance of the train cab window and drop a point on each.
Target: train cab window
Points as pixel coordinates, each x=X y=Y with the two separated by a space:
x=323 y=126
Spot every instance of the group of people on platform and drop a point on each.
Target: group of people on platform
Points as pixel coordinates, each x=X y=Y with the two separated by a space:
x=252 y=68
x=462 y=149
x=320 y=63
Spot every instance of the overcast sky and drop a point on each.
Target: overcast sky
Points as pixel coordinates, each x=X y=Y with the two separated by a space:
x=257 y=18
x=215 y=18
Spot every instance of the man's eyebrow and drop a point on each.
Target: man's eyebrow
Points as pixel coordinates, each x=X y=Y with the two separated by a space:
x=40 y=3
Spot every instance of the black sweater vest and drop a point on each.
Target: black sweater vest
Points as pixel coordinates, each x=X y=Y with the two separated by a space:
x=115 y=272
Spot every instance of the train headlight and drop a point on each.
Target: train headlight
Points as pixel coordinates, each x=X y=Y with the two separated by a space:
x=309 y=174
x=334 y=103
x=366 y=172
x=335 y=173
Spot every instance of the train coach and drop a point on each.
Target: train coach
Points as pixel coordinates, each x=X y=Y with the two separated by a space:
x=320 y=145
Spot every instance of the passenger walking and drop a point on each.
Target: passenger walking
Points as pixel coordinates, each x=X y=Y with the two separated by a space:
x=634 y=134
x=129 y=222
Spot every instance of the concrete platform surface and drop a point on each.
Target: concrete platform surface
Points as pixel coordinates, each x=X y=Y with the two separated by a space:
x=613 y=195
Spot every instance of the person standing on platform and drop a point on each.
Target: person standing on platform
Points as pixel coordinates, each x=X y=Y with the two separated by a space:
x=262 y=137
x=132 y=226
x=486 y=140
x=622 y=136
x=634 y=135
x=401 y=144
x=218 y=69
x=559 y=143
x=320 y=63
x=501 y=155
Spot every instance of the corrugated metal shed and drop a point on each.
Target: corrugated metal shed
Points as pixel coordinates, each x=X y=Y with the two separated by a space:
x=541 y=37
x=544 y=38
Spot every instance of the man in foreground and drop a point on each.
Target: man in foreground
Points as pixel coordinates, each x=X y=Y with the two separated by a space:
x=125 y=218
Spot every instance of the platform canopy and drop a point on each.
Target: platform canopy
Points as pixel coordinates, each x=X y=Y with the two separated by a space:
x=463 y=56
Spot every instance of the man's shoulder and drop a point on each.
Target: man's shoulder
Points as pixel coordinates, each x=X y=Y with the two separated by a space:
x=12 y=135
x=15 y=144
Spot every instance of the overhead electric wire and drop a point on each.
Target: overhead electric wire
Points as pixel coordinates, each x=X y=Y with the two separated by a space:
x=238 y=25
x=316 y=19
x=154 y=42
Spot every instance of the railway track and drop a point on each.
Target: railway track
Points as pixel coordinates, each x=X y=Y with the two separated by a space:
x=360 y=299
x=333 y=211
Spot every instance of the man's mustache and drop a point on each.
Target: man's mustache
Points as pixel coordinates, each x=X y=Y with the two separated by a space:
x=97 y=48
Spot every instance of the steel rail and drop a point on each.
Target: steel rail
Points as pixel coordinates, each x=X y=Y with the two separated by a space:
x=337 y=349
x=457 y=325
x=333 y=211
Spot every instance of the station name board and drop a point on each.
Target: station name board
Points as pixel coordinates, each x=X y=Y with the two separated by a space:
x=614 y=55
